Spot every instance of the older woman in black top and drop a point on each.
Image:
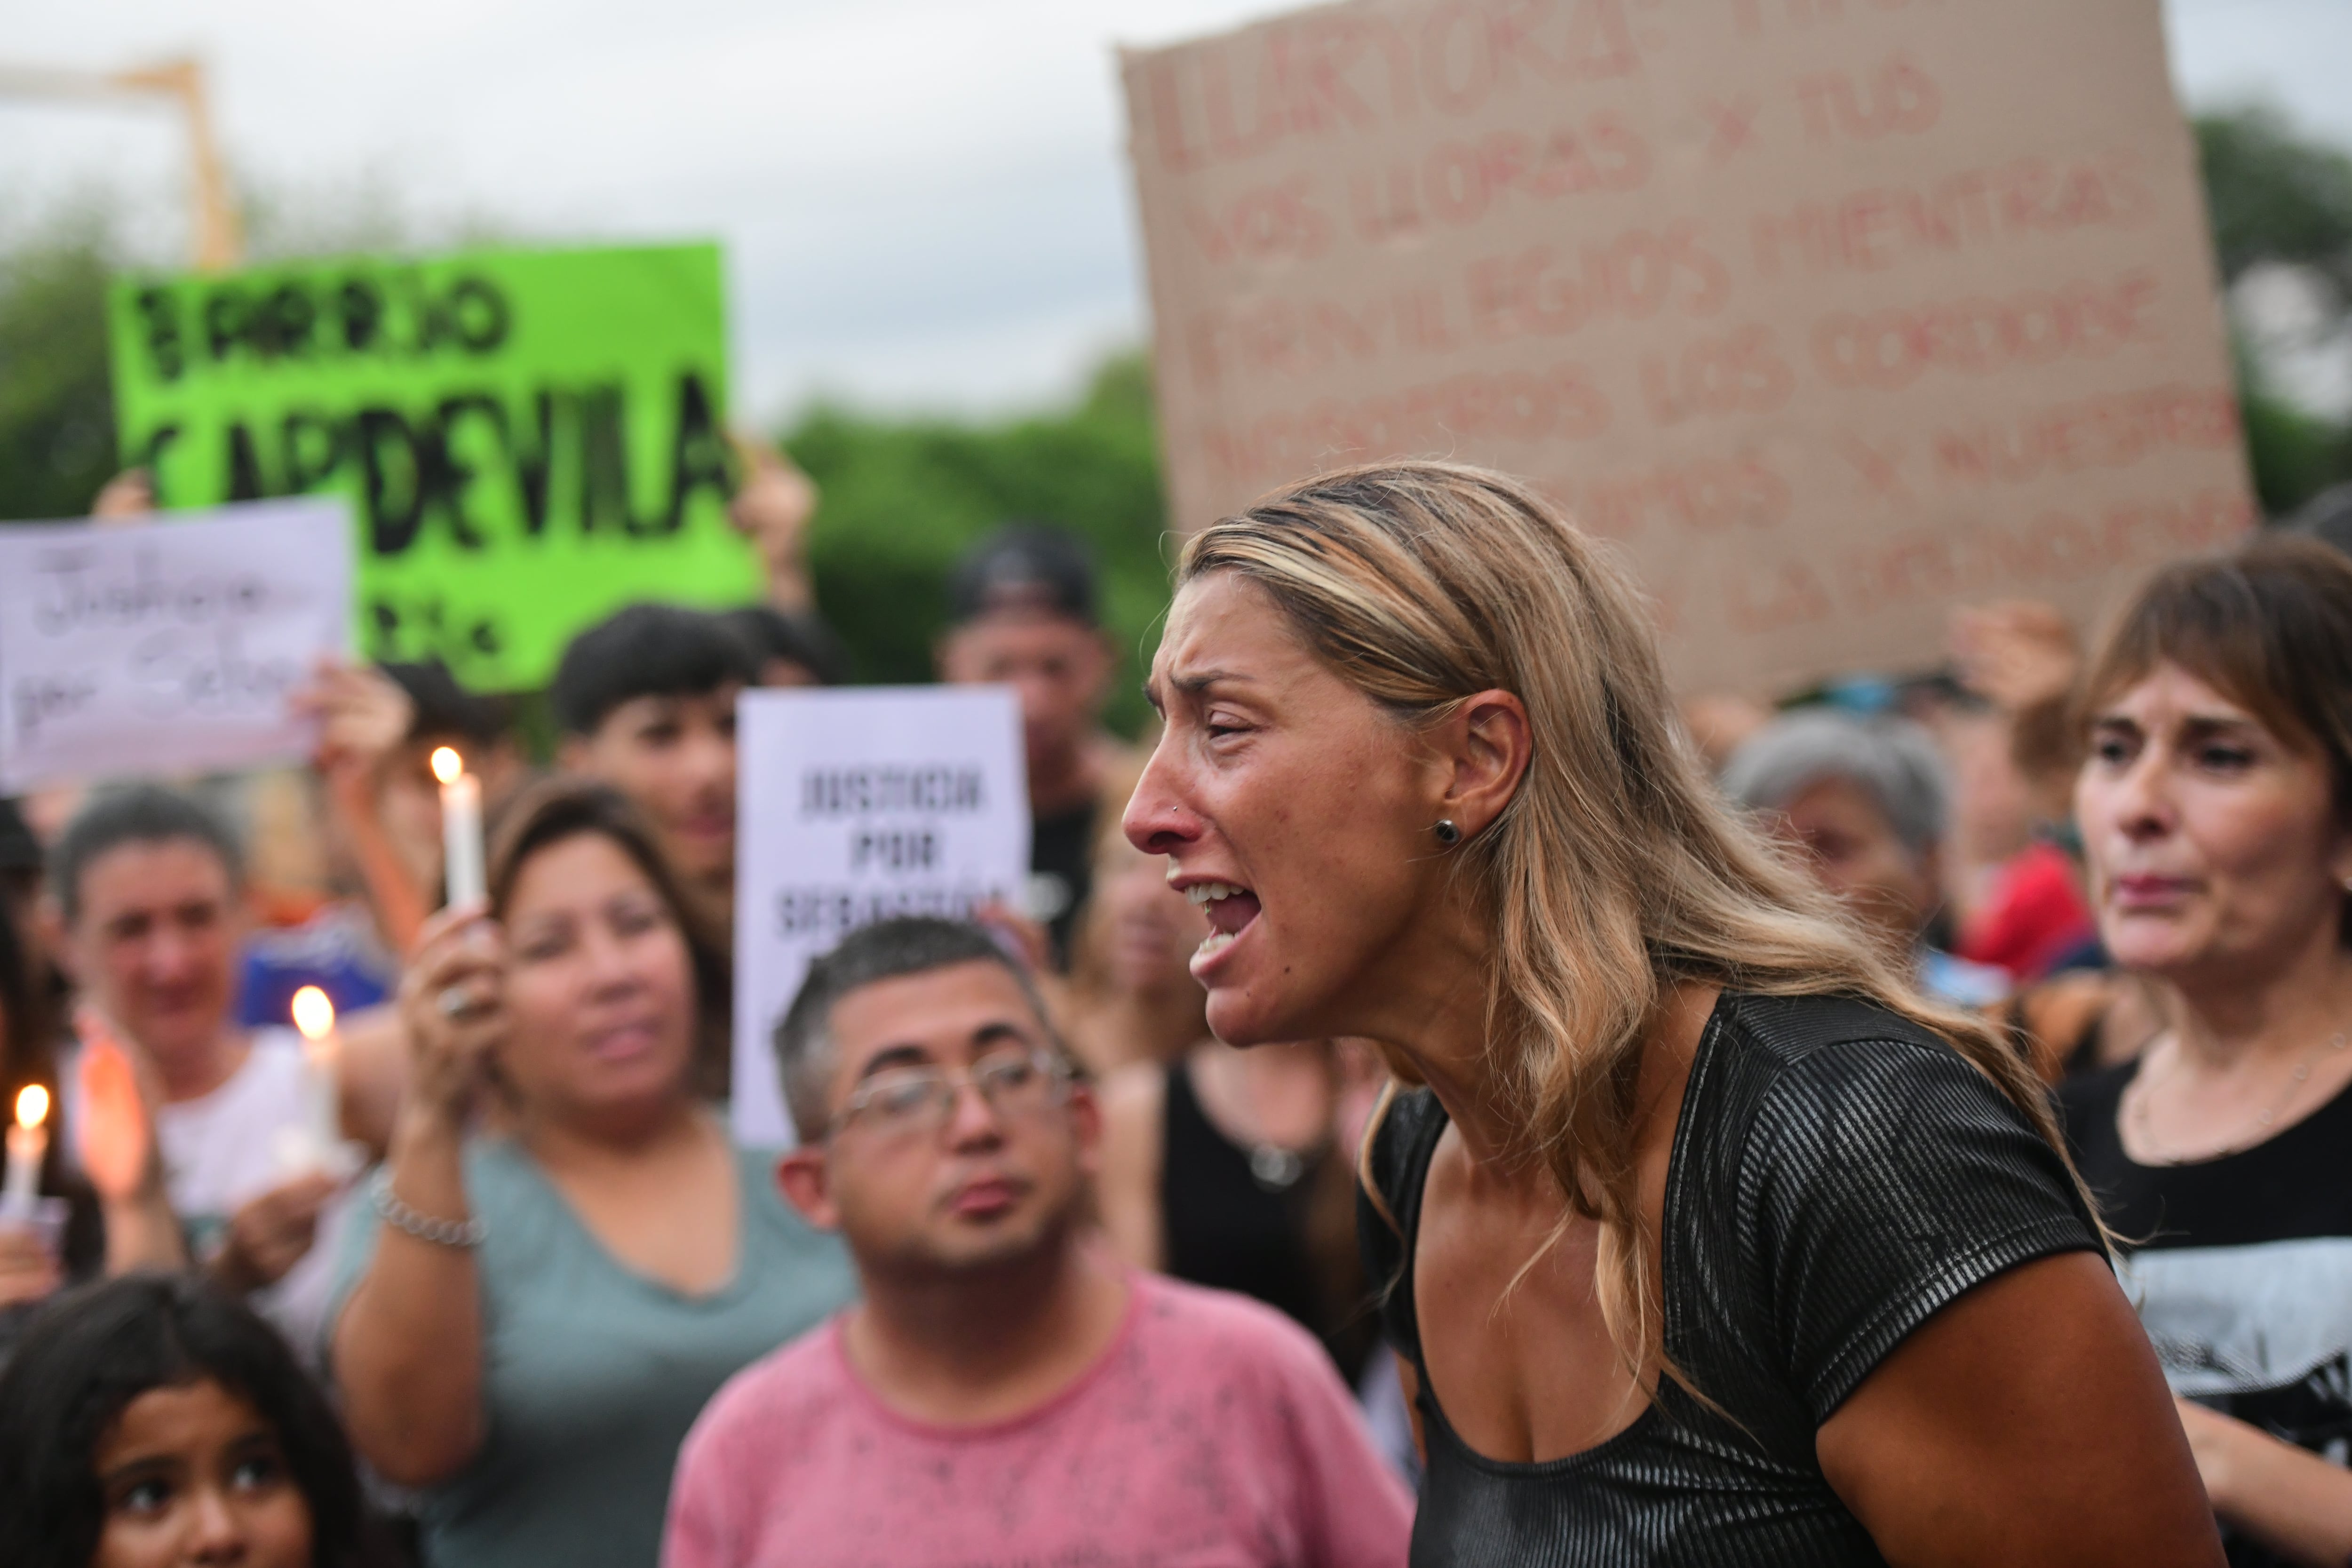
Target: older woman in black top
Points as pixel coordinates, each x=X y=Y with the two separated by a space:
x=2216 y=810
x=1707 y=1241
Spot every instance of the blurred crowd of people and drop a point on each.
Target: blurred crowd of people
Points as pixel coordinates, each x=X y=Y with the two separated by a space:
x=532 y=1304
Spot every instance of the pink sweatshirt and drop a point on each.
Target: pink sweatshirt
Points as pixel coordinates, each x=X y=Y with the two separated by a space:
x=1213 y=1434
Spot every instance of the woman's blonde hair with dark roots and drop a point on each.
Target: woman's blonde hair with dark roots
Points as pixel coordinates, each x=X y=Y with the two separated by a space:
x=1617 y=869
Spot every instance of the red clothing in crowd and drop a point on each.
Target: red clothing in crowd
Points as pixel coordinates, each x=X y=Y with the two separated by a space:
x=1214 y=1433
x=2034 y=917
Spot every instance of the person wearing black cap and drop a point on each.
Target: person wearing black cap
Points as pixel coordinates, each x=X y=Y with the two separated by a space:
x=1021 y=613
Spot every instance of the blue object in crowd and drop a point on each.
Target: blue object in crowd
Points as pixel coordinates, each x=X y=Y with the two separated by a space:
x=333 y=949
x=1866 y=695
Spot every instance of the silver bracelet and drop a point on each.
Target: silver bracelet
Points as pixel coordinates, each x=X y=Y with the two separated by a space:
x=463 y=1234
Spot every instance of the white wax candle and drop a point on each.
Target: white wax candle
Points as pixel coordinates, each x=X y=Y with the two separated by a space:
x=461 y=827
x=28 y=1146
x=323 y=1049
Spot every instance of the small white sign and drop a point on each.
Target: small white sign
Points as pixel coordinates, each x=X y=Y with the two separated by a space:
x=855 y=805
x=167 y=646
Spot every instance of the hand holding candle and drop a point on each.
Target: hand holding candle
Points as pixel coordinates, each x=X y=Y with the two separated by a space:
x=461 y=827
x=28 y=1146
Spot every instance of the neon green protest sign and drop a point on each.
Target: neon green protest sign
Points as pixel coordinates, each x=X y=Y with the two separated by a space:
x=528 y=438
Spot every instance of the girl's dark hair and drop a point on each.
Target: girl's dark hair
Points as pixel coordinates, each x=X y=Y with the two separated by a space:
x=91 y=1353
x=554 y=810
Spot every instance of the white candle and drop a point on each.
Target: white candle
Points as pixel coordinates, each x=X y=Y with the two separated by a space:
x=314 y=1016
x=28 y=1146
x=461 y=827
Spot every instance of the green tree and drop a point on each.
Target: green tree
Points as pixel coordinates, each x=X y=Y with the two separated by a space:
x=56 y=409
x=2274 y=195
x=904 y=498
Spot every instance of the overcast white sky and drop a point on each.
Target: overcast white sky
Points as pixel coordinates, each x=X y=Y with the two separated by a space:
x=923 y=201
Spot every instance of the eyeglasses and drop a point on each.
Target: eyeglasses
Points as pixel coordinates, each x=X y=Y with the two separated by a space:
x=902 y=1101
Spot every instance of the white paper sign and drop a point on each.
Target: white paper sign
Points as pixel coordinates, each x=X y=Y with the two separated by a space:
x=854 y=805
x=168 y=647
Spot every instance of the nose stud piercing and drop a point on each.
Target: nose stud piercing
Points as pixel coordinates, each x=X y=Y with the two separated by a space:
x=1447 y=834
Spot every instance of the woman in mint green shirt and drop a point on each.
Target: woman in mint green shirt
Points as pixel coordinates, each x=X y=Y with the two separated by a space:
x=567 y=1256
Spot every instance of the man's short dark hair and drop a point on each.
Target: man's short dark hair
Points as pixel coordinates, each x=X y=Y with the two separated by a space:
x=803 y=639
x=646 y=651
x=443 y=709
x=1025 y=566
x=887 y=950
x=136 y=814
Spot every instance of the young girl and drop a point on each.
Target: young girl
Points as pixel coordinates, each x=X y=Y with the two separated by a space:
x=151 y=1421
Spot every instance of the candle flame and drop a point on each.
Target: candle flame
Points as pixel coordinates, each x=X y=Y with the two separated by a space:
x=32 y=1106
x=314 y=1013
x=447 y=765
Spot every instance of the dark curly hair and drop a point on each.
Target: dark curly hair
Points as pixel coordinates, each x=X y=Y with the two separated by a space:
x=91 y=1353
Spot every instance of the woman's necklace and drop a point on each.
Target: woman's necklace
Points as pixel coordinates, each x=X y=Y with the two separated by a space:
x=2263 y=1123
x=1275 y=1168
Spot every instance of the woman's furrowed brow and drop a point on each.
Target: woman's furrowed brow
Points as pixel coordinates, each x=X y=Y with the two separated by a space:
x=1194 y=684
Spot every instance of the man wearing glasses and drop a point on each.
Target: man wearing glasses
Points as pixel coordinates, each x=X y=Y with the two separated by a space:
x=1006 y=1391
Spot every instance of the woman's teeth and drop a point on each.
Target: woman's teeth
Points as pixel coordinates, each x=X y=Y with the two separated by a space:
x=1226 y=921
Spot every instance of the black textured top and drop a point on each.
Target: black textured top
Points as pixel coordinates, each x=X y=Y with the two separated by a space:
x=1838 y=1176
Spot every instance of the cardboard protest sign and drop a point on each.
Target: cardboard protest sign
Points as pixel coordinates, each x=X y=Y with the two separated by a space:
x=528 y=439
x=1832 y=312
x=854 y=805
x=153 y=648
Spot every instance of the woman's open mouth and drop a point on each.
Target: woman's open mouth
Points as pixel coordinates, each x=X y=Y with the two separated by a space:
x=1230 y=909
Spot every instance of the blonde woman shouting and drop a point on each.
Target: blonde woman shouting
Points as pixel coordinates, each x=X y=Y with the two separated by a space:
x=1707 y=1240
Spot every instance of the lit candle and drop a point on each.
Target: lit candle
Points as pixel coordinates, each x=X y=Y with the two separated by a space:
x=314 y=1016
x=461 y=827
x=28 y=1146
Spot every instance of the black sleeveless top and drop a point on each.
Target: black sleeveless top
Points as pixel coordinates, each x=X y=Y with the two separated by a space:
x=1239 y=1222
x=1838 y=1176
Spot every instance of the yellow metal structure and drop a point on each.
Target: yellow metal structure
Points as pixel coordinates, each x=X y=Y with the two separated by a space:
x=219 y=233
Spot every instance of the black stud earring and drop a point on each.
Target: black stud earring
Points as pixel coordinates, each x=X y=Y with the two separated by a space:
x=1447 y=834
